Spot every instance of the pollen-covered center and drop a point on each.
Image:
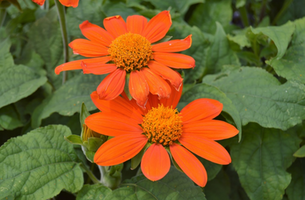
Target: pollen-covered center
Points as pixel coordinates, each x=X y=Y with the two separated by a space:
x=162 y=125
x=130 y=51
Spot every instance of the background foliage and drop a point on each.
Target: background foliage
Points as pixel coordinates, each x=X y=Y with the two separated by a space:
x=249 y=54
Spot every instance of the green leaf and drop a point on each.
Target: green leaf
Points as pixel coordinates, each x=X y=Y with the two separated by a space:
x=74 y=139
x=9 y=118
x=117 y=8
x=280 y=35
x=208 y=91
x=175 y=185
x=175 y=5
x=220 y=183
x=68 y=98
x=84 y=113
x=290 y=66
x=300 y=152
x=39 y=165
x=259 y=97
x=6 y=59
x=240 y=3
x=296 y=189
x=211 y=168
x=96 y=192
x=205 y=15
x=294 y=11
x=261 y=160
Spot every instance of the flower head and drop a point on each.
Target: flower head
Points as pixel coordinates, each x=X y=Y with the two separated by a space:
x=165 y=130
x=68 y=3
x=128 y=49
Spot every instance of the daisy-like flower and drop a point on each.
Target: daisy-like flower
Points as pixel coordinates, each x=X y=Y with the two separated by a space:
x=68 y=3
x=164 y=130
x=126 y=50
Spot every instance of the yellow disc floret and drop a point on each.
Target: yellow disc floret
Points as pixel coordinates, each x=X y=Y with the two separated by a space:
x=162 y=125
x=130 y=51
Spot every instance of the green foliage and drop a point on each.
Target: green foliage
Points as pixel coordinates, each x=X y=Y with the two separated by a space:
x=296 y=189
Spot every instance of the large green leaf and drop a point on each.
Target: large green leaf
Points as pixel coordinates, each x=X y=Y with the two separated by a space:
x=39 y=165
x=205 y=15
x=261 y=160
x=290 y=66
x=96 y=192
x=220 y=183
x=68 y=98
x=176 y=5
x=280 y=35
x=259 y=97
x=6 y=59
x=296 y=189
x=208 y=91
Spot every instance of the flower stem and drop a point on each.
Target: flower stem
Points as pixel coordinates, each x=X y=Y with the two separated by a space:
x=90 y=174
x=64 y=33
x=283 y=9
x=244 y=16
x=2 y=16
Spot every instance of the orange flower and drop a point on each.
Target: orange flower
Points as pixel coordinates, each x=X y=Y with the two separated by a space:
x=165 y=130
x=73 y=3
x=127 y=49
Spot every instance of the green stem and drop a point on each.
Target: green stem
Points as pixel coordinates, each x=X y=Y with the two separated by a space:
x=283 y=9
x=103 y=171
x=244 y=16
x=64 y=33
x=90 y=174
x=2 y=16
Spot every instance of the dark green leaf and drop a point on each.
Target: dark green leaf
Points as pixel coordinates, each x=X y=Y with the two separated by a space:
x=300 y=152
x=93 y=192
x=39 y=165
x=68 y=98
x=296 y=189
x=259 y=97
x=9 y=118
x=261 y=160
x=220 y=183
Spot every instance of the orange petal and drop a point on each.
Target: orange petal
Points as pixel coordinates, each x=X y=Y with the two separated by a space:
x=138 y=88
x=68 y=3
x=189 y=164
x=76 y=64
x=174 y=60
x=118 y=105
x=119 y=149
x=98 y=68
x=155 y=162
x=206 y=148
x=174 y=98
x=158 y=26
x=201 y=109
x=136 y=24
x=112 y=86
x=115 y=25
x=95 y=33
x=156 y=84
x=166 y=73
x=39 y=2
x=112 y=124
x=212 y=129
x=87 y=48
x=173 y=45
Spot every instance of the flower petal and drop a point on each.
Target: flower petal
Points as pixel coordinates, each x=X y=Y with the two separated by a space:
x=158 y=26
x=166 y=73
x=96 y=33
x=156 y=84
x=39 y=2
x=138 y=88
x=206 y=148
x=173 y=45
x=112 y=86
x=112 y=124
x=98 y=68
x=68 y=3
x=117 y=105
x=212 y=129
x=174 y=60
x=77 y=64
x=189 y=164
x=174 y=98
x=115 y=25
x=155 y=162
x=201 y=109
x=87 y=48
x=136 y=24
x=119 y=149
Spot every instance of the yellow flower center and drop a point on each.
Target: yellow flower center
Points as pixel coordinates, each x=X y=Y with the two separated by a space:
x=130 y=51
x=162 y=125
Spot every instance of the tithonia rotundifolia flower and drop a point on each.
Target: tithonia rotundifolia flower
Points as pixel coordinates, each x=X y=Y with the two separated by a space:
x=165 y=130
x=68 y=3
x=128 y=50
